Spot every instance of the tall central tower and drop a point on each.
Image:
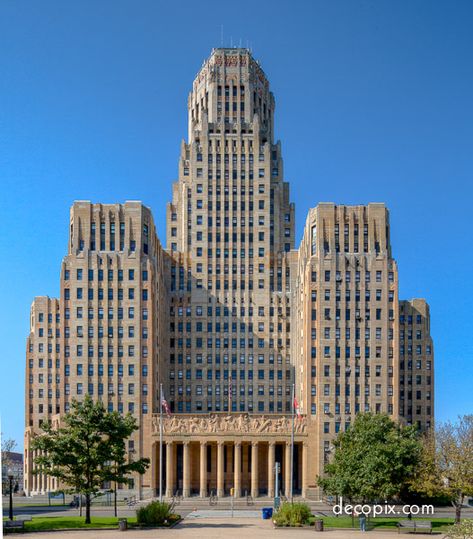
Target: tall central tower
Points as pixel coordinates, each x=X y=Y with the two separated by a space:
x=230 y=232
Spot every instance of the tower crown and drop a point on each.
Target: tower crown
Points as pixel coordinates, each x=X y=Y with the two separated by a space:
x=230 y=92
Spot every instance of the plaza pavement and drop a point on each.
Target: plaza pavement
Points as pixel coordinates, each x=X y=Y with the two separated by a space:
x=224 y=527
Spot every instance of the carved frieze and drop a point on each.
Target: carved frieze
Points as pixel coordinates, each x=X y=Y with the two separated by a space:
x=234 y=424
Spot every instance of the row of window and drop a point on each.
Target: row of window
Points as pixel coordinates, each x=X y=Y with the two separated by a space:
x=347 y=392
x=226 y=174
x=90 y=369
x=225 y=359
x=200 y=188
x=218 y=342
x=328 y=275
x=100 y=274
x=418 y=363
x=418 y=395
x=227 y=375
x=418 y=410
x=110 y=294
x=120 y=369
x=111 y=237
x=357 y=314
x=199 y=236
x=403 y=319
x=242 y=391
x=348 y=409
x=418 y=379
x=90 y=386
x=226 y=327
x=327 y=352
x=327 y=333
x=100 y=313
x=327 y=371
x=367 y=295
x=240 y=406
x=109 y=332
x=110 y=351
x=50 y=318
x=225 y=311
x=239 y=221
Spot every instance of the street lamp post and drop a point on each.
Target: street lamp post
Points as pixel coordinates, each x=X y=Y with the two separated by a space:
x=10 y=479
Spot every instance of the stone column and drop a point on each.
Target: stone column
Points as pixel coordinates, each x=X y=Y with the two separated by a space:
x=304 y=469
x=237 y=469
x=254 y=470
x=154 y=469
x=220 y=469
x=41 y=477
x=287 y=470
x=271 y=458
x=169 y=469
x=203 y=469
x=31 y=475
x=186 y=475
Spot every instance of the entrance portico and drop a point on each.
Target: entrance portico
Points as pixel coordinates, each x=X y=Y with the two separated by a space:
x=212 y=454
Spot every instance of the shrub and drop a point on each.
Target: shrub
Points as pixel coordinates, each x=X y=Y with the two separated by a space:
x=462 y=530
x=296 y=514
x=154 y=514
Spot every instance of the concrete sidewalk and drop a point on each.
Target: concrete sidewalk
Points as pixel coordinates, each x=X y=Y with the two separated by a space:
x=216 y=528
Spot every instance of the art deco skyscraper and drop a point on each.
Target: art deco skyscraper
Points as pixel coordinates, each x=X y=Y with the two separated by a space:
x=230 y=315
x=230 y=229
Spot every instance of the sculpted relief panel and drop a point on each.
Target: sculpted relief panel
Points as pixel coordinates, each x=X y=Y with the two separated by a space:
x=229 y=424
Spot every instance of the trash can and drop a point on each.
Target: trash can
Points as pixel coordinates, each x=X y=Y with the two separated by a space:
x=267 y=512
x=319 y=525
x=123 y=524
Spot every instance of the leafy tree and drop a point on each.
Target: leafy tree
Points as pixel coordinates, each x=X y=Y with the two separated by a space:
x=447 y=463
x=373 y=460
x=120 y=463
x=82 y=451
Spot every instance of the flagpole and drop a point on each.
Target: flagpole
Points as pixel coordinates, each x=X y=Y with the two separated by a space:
x=161 y=442
x=292 y=446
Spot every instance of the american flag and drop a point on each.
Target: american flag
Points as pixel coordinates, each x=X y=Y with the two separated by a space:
x=297 y=408
x=165 y=405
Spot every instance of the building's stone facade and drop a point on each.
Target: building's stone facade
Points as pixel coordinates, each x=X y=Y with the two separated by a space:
x=230 y=315
x=416 y=364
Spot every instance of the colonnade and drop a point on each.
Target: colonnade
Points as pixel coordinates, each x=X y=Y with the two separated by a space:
x=222 y=467
x=37 y=483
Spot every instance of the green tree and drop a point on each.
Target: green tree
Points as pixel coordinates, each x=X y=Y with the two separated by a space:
x=447 y=463
x=120 y=459
x=83 y=451
x=373 y=460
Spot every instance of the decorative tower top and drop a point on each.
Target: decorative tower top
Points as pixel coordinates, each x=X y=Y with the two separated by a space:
x=231 y=94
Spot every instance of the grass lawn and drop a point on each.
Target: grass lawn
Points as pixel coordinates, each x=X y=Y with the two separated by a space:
x=63 y=523
x=66 y=523
x=438 y=524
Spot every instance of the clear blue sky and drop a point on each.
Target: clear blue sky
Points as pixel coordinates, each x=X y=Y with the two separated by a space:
x=374 y=103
